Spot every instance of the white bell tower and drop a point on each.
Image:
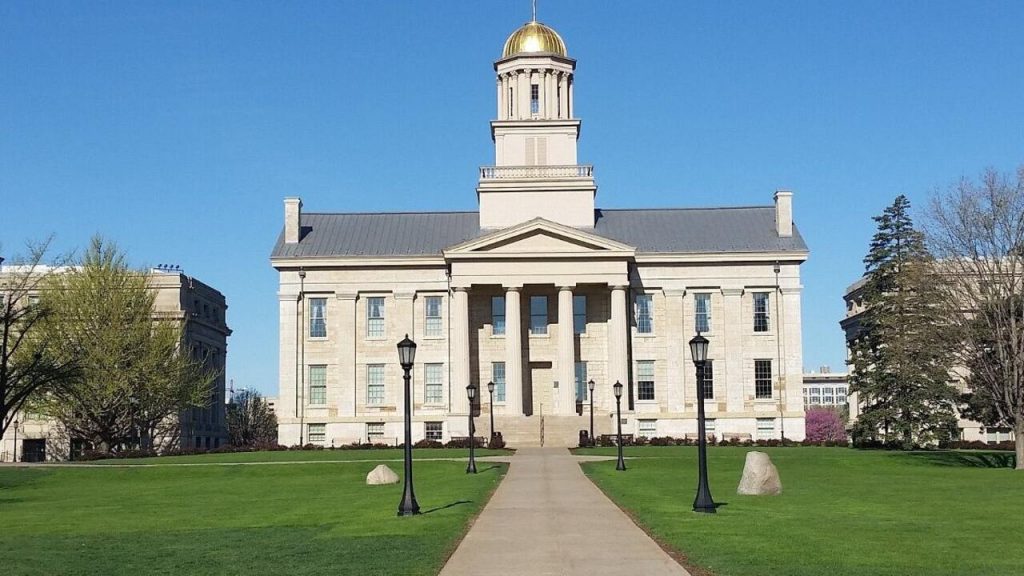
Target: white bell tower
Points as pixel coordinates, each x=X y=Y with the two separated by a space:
x=535 y=172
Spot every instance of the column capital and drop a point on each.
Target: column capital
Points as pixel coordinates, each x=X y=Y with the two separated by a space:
x=513 y=288
x=732 y=291
x=404 y=295
x=347 y=295
x=674 y=292
x=288 y=296
x=461 y=288
x=566 y=287
x=621 y=287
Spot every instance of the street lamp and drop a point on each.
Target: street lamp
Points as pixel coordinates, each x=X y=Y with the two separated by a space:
x=490 y=390
x=590 y=388
x=471 y=467
x=406 y=356
x=703 y=502
x=621 y=464
x=15 y=440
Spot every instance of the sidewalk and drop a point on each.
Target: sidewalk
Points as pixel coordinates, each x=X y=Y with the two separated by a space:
x=547 y=518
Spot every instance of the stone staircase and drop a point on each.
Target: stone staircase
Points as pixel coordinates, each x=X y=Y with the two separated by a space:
x=557 y=430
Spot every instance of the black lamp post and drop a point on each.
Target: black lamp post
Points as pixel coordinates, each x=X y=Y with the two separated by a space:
x=703 y=502
x=471 y=467
x=15 y=440
x=590 y=388
x=490 y=390
x=406 y=357
x=621 y=464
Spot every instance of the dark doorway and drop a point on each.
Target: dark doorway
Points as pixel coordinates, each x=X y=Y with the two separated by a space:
x=33 y=450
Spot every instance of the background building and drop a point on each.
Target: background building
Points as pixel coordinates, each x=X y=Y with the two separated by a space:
x=539 y=291
x=825 y=388
x=203 y=311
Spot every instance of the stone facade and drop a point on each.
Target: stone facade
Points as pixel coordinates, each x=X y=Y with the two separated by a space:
x=509 y=281
x=203 y=310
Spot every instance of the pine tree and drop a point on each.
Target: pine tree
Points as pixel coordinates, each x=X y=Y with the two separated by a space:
x=900 y=368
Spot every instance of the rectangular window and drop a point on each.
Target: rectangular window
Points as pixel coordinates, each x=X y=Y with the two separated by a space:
x=761 y=312
x=841 y=395
x=581 y=381
x=318 y=384
x=498 y=377
x=765 y=428
x=434 y=431
x=433 y=375
x=648 y=428
x=375 y=317
x=318 y=317
x=645 y=380
x=434 y=325
x=534 y=99
x=497 y=315
x=706 y=379
x=316 y=433
x=827 y=396
x=815 y=396
x=538 y=314
x=763 y=378
x=374 y=432
x=375 y=384
x=579 y=314
x=644 y=314
x=702 y=312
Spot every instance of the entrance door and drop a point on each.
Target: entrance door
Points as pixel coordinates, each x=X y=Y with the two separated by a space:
x=33 y=450
x=542 y=383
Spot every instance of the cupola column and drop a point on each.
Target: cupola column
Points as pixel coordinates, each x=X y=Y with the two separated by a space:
x=523 y=94
x=563 y=90
x=550 y=98
x=501 y=98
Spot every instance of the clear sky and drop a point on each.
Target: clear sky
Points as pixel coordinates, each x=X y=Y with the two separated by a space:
x=177 y=128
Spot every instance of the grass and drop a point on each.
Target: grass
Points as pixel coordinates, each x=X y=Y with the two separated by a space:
x=285 y=519
x=378 y=454
x=842 y=512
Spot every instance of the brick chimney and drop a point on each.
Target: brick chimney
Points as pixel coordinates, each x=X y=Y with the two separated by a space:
x=292 y=220
x=784 y=212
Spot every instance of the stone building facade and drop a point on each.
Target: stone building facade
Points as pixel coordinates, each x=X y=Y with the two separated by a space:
x=203 y=311
x=539 y=291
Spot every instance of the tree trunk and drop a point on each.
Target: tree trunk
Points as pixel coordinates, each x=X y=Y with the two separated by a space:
x=1018 y=433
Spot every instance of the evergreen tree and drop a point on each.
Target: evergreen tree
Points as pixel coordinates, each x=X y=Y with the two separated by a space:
x=900 y=368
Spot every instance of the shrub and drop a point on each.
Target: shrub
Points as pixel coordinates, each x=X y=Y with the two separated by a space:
x=497 y=442
x=428 y=444
x=824 y=425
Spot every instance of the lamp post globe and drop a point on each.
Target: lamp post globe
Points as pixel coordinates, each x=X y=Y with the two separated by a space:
x=490 y=391
x=703 y=502
x=590 y=392
x=406 y=357
x=620 y=464
x=471 y=394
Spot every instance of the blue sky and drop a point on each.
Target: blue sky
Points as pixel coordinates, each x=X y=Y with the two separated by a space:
x=176 y=128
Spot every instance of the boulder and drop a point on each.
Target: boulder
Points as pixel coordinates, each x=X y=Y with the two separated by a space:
x=381 y=475
x=760 y=477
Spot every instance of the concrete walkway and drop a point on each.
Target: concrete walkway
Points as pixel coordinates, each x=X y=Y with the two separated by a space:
x=547 y=518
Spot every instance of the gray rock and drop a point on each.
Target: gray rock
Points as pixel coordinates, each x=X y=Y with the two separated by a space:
x=760 y=477
x=381 y=475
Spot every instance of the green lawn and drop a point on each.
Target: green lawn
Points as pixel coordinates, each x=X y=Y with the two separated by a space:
x=308 y=456
x=223 y=520
x=842 y=511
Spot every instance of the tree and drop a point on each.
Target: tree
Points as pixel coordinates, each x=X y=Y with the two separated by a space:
x=135 y=380
x=28 y=364
x=900 y=369
x=824 y=425
x=977 y=230
x=250 y=420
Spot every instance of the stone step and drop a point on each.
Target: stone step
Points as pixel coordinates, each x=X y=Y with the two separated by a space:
x=558 y=430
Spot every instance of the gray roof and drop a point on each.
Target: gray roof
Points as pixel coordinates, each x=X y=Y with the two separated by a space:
x=689 y=230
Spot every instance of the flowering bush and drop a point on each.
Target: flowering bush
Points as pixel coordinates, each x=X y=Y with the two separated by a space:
x=824 y=425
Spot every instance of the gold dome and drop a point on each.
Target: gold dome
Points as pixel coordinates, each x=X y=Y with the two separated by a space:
x=534 y=37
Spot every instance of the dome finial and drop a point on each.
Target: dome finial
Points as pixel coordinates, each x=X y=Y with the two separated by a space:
x=534 y=2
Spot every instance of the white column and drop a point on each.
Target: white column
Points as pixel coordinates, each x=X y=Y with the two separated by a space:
x=513 y=353
x=287 y=401
x=501 y=98
x=346 y=339
x=566 y=353
x=460 y=353
x=618 y=333
x=680 y=377
x=792 y=352
x=550 y=98
x=523 y=89
x=563 y=102
x=405 y=324
x=733 y=327
x=569 y=104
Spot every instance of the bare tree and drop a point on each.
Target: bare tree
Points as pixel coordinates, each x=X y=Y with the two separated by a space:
x=976 y=229
x=29 y=366
x=250 y=420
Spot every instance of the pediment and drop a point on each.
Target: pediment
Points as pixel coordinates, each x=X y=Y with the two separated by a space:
x=539 y=237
